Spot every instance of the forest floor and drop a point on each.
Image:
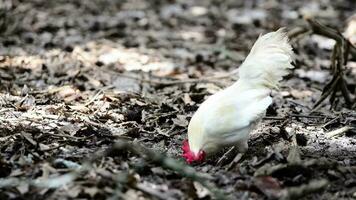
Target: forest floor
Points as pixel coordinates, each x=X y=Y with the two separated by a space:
x=77 y=77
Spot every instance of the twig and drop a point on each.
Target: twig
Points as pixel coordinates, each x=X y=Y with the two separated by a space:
x=298 y=192
x=165 y=162
x=212 y=79
x=294 y=115
x=148 y=154
x=308 y=116
x=61 y=134
x=326 y=94
x=297 y=31
x=331 y=121
x=97 y=94
x=338 y=131
x=345 y=92
x=235 y=161
x=223 y=158
x=274 y=118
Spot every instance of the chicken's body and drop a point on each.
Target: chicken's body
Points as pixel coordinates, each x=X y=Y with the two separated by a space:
x=227 y=117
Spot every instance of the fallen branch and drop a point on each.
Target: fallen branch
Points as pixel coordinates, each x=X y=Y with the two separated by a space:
x=340 y=54
x=339 y=59
x=165 y=162
x=122 y=145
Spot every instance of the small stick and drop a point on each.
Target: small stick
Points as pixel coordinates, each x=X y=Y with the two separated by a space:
x=212 y=79
x=297 y=31
x=235 y=161
x=326 y=94
x=95 y=97
x=338 y=131
x=225 y=156
x=298 y=192
x=294 y=115
x=345 y=92
x=331 y=121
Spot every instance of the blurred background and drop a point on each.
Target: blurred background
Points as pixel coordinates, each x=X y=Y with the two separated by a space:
x=185 y=38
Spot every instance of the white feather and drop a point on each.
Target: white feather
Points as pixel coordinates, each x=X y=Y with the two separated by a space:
x=268 y=61
x=227 y=117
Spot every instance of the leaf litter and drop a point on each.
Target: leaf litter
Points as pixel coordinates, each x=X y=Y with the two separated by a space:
x=79 y=79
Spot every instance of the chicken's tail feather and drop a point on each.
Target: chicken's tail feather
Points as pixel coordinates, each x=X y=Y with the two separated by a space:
x=268 y=61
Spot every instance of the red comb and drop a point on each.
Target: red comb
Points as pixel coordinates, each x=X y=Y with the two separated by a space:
x=185 y=146
x=189 y=155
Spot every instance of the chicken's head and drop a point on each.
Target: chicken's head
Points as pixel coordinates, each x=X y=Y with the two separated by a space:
x=190 y=156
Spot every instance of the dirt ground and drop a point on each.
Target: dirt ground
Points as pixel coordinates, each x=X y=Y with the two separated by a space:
x=77 y=77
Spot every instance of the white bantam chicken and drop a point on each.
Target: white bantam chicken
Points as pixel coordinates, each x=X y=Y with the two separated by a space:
x=227 y=117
